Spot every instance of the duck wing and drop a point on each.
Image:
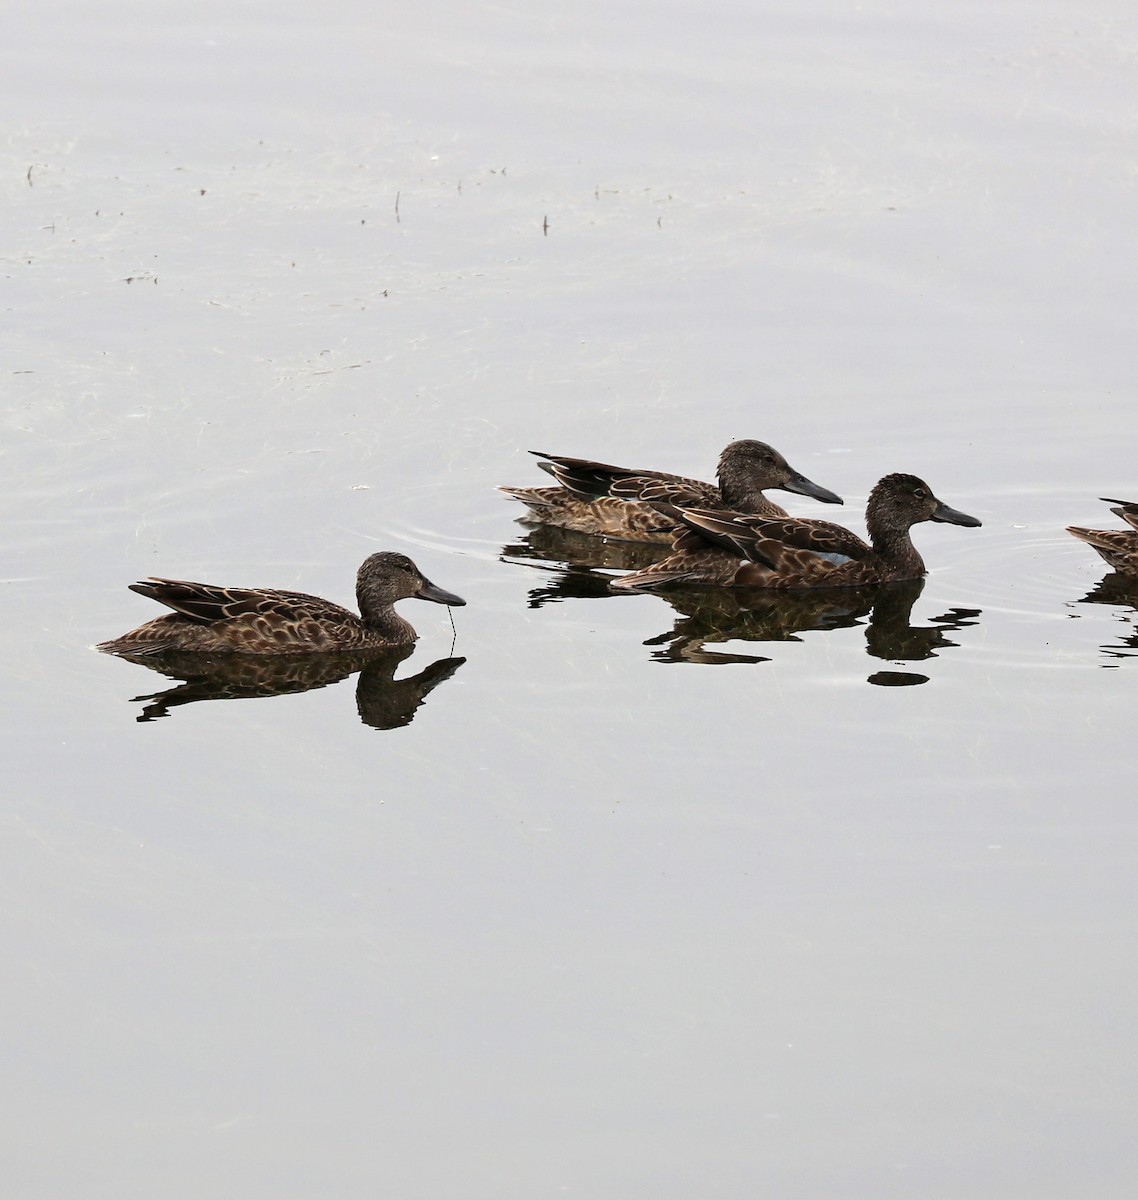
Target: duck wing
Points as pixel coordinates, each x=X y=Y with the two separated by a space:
x=1118 y=547
x=834 y=542
x=1126 y=509
x=782 y=543
x=667 y=491
x=584 y=477
x=207 y=603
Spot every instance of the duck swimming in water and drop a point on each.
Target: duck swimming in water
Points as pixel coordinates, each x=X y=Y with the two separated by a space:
x=620 y=502
x=1119 y=547
x=724 y=549
x=225 y=620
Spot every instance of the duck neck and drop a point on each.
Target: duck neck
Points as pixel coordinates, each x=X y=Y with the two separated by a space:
x=383 y=620
x=894 y=544
x=744 y=499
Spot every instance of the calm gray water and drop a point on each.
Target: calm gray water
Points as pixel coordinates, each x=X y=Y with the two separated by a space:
x=643 y=897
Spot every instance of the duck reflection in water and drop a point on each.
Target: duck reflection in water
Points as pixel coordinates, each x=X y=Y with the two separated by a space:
x=760 y=615
x=382 y=701
x=890 y=634
x=1119 y=548
x=576 y=558
x=1119 y=591
x=709 y=617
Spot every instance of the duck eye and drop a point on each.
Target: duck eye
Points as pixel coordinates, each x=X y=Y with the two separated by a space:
x=920 y=493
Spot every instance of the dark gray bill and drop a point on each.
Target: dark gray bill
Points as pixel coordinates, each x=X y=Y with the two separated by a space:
x=429 y=592
x=951 y=517
x=807 y=487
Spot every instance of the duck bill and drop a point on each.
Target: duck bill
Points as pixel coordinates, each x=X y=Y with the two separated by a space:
x=950 y=516
x=807 y=487
x=430 y=592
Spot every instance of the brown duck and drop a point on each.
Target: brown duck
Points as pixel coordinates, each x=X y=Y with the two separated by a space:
x=1119 y=547
x=719 y=549
x=224 y=620
x=620 y=502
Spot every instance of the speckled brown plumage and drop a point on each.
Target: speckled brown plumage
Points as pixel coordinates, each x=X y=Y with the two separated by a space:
x=720 y=549
x=1118 y=547
x=634 y=504
x=220 y=620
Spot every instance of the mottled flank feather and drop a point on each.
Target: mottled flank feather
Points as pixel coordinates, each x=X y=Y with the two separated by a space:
x=223 y=620
x=637 y=505
x=719 y=549
x=1118 y=547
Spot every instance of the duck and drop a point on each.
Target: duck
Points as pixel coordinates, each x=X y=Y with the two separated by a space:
x=224 y=620
x=635 y=505
x=726 y=549
x=1119 y=547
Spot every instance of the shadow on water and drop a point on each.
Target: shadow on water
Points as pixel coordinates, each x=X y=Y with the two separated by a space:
x=753 y=615
x=382 y=701
x=576 y=557
x=707 y=616
x=890 y=634
x=1121 y=592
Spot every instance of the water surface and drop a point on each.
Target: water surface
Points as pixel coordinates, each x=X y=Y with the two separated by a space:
x=648 y=895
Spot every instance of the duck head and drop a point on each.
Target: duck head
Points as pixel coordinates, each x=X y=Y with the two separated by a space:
x=748 y=466
x=900 y=501
x=386 y=577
